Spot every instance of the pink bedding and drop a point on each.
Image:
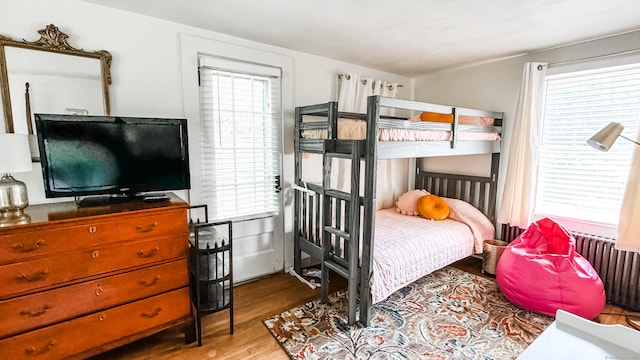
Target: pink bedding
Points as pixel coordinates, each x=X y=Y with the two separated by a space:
x=356 y=129
x=407 y=248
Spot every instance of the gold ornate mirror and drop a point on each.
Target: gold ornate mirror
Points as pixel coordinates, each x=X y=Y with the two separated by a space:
x=35 y=80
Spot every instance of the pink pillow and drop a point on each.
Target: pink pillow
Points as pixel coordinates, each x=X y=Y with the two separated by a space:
x=407 y=203
x=475 y=120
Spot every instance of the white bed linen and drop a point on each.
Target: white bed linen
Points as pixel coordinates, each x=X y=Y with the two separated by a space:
x=407 y=248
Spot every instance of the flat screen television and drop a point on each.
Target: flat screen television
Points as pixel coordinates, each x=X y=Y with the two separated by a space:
x=122 y=157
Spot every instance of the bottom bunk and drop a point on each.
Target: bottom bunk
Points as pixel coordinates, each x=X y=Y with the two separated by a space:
x=405 y=247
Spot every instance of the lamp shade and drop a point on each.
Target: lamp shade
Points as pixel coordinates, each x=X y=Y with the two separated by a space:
x=604 y=139
x=15 y=155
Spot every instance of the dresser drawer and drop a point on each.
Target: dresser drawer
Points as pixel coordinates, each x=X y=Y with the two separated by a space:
x=29 y=312
x=99 y=329
x=21 y=278
x=159 y=224
x=39 y=242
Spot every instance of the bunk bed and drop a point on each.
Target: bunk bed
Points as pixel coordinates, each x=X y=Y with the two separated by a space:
x=337 y=228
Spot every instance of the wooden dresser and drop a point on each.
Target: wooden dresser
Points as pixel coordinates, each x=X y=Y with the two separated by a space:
x=75 y=282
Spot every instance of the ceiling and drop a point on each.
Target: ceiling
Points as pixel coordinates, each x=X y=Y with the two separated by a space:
x=404 y=37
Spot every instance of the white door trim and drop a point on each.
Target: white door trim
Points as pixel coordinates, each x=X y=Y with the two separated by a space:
x=191 y=47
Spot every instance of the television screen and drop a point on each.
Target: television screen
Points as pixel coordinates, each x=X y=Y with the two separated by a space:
x=92 y=155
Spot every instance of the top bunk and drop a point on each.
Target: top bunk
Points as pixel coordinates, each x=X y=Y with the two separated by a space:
x=416 y=129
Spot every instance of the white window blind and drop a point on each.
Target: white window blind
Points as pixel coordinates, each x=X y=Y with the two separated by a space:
x=240 y=113
x=576 y=181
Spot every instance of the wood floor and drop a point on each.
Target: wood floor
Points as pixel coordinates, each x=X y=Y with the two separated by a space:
x=254 y=302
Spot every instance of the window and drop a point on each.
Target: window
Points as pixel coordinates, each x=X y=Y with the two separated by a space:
x=241 y=114
x=575 y=181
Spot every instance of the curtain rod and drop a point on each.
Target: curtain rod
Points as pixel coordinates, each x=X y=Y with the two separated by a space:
x=626 y=52
x=349 y=77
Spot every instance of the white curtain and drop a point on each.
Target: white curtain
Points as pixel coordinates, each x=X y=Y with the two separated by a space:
x=628 y=229
x=518 y=195
x=364 y=89
x=347 y=92
x=392 y=174
x=348 y=101
x=354 y=91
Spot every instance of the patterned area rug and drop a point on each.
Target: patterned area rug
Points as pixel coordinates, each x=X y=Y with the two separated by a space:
x=449 y=314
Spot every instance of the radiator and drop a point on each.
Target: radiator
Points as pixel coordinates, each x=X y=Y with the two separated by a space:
x=619 y=270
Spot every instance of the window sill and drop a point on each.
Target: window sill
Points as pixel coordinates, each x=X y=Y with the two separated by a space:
x=582 y=226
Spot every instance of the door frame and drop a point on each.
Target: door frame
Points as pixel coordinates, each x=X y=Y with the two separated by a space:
x=191 y=47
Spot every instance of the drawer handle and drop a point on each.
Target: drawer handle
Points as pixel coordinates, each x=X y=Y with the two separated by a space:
x=33 y=351
x=155 y=313
x=29 y=313
x=153 y=251
x=146 y=228
x=38 y=275
x=20 y=247
x=150 y=283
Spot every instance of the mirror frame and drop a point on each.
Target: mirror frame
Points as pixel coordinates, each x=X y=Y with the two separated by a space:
x=55 y=41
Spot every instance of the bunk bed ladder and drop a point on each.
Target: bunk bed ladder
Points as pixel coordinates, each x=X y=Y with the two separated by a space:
x=342 y=260
x=308 y=196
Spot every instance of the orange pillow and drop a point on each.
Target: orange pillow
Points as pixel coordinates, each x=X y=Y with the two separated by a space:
x=433 y=207
x=436 y=117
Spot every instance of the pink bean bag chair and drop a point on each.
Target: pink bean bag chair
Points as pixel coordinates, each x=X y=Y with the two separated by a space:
x=541 y=271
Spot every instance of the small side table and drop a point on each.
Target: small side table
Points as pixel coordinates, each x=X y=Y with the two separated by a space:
x=211 y=269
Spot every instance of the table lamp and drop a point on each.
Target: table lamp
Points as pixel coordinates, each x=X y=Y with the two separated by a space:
x=604 y=139
x=15 y=156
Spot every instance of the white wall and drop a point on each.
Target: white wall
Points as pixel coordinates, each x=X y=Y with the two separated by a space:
x=147 y=69
x=495 y=86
